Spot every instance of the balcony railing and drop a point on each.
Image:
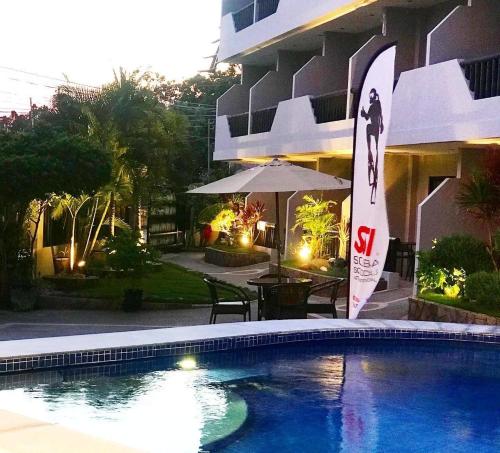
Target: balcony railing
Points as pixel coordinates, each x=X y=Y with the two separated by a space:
x=483 y=76
x=244 y=17
x=262 y=120
x=255 y=11
x=331 y=107
x=238 y=125
x=266 y=8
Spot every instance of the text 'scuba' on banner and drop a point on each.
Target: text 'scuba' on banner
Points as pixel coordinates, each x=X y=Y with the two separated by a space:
x=369 y=225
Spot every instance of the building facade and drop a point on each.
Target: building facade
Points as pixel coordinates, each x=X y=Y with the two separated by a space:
x=302 y=63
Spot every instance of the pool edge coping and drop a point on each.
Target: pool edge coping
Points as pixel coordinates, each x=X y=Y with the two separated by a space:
x=108 y=348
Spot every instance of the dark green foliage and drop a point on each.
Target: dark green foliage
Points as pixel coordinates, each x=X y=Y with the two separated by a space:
x=484 y=288
x=126 y=253
x=429 y=276
x=36 y=163
x=461 y=251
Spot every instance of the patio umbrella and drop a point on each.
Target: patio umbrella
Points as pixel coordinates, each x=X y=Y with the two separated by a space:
x=275 y=176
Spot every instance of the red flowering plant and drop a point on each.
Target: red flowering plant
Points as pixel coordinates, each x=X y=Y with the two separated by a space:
x=247 y=218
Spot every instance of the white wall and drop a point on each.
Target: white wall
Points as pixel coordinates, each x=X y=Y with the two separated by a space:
x=276 y=86
x=439 y=216
x=468 y=32
x=236 y=100
x=327 y=73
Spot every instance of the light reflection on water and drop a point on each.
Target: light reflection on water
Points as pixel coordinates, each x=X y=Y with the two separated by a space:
x=338 y=397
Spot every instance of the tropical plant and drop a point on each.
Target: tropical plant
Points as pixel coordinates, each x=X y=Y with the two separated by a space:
x=317 y=222
x=196 y=97
x=224 y=221
x=67 y=204
x=343 y=235
x=430 y=277
x=247 y=219
x=209 y=213
x=480 y=197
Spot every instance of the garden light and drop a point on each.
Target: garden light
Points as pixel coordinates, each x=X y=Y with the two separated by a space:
x=82 y=263
x=305 y=252
x=245 y=240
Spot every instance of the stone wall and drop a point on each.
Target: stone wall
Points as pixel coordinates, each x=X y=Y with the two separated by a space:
x=230 y=259
x=424 y=310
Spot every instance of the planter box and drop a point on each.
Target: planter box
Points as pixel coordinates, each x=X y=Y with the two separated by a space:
x=234 y=259
x=424 y=310
x=317 y=278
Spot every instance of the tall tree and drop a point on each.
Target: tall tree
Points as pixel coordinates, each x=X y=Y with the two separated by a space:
x=196 y=98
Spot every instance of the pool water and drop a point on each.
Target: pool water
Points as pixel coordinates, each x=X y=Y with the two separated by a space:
x=330 y=396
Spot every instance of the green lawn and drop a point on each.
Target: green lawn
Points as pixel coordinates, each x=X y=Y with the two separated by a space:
x=461 y=303
x=171 y=283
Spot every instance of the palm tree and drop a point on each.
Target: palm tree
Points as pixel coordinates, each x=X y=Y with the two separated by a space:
x=71 y=205
x=480 y=197
x=94 y=112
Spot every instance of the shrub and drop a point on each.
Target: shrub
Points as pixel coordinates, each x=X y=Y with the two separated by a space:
x=484 y=288
x=126 y=252
x=431 y=277
x=461 y=251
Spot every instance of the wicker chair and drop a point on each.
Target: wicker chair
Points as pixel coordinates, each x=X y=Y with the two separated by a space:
x=332 y=285
x=238 y=305
x=287 y=301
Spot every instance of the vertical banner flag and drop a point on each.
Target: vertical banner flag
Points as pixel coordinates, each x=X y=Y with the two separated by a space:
x=369 y=225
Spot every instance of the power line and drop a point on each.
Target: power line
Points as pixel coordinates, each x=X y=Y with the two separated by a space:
x=35 y=74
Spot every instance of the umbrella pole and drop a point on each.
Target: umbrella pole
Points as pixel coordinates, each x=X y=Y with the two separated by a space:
x=277 y=234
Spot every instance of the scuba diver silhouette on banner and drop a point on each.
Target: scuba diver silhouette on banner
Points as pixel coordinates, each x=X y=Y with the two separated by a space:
x=373 y=129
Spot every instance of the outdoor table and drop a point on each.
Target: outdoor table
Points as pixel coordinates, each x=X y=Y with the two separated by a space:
x=268 y=282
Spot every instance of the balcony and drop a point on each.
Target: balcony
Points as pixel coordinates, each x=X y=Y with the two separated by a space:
x=254 y=12
x=456 y=107
x=244 y=17
x=483 y=76
x=238 y=125
x=241 y=33
x=266 y=8
x=262 y=120
x=288 y=129
x=330 y=107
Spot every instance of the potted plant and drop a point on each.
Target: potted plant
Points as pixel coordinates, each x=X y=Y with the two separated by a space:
x=130 y=257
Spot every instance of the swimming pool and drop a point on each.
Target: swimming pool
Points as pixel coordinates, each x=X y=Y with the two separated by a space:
x=343 y=395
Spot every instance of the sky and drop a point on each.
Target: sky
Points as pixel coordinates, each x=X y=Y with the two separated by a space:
x=86 y=39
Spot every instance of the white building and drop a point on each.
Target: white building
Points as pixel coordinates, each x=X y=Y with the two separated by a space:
x=302 y=61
